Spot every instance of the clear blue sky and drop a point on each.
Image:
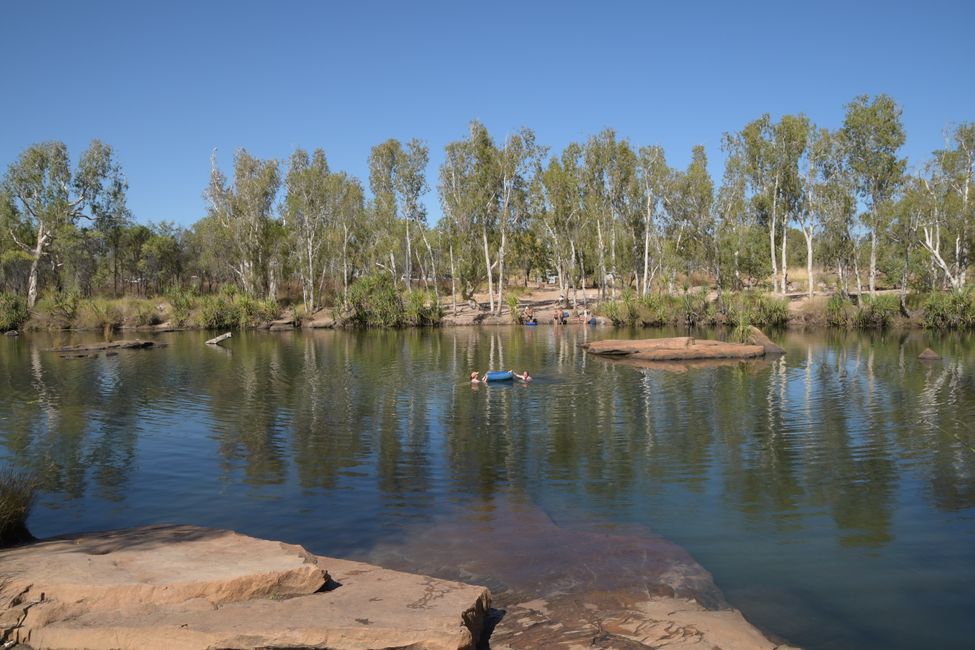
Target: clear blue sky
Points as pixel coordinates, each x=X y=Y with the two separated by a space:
x=166 y=82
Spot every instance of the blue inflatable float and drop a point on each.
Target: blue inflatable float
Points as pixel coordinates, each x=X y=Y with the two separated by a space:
x=499 y=375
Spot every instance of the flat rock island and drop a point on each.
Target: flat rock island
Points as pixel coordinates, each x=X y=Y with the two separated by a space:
x=680 y=348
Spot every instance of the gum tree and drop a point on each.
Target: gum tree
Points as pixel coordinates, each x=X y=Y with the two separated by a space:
x=47 y=197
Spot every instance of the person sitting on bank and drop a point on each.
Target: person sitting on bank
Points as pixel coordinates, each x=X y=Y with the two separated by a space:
x=524 y=377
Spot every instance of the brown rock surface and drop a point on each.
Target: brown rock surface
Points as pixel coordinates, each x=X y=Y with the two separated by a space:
x=929 y=355
x=187 y=587
x=109 y=345
x=757 y=337
x=674 y=349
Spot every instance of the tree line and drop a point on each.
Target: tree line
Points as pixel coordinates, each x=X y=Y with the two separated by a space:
x=603 y=213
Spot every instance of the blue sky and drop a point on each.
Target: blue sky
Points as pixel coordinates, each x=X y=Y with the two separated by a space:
x=167 y=82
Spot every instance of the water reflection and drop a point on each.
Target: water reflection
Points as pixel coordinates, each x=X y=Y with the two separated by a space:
x=848 y=446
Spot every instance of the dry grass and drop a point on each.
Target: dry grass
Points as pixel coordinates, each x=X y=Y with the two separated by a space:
x=17 y=493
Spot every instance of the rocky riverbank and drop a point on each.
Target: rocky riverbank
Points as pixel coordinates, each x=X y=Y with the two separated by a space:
x=189 y=587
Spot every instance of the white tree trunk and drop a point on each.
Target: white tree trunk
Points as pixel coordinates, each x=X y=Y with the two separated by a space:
x=487 y=267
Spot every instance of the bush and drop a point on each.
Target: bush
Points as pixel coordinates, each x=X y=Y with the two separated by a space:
x=838 y=310
x=876 y=312
x=373 y=301
x=13 y=311
x=955 y=310
x=181 y=305
x=57 y=309
x=99 y=313
x=512 y=300
x=17 y=493
x=423 y=309
x=217 y=312
x=760 y=310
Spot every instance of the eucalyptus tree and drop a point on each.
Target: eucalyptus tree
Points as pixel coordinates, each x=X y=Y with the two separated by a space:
x=732 y=207
x=517 y=161
x=245 y=212
x=949 y=184
x=347 y=209
x=690 y=224
x=873 y=134
x=562 y=186
x=756 y=145
x=791 y=140
x=307 y=212
x=653 y=176
x=47 y=198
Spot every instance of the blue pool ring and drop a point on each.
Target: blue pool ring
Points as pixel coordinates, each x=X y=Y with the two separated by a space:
x=530 y=323
x=499 y=375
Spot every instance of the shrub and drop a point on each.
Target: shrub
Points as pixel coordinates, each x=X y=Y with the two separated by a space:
x=146 y=313
x=876 y=312
x=217 y=312
x=423 y=309
x=760 y=310
x=373 y=302
x=838 y=310
x=512 y=300
x=57 y=309
x=955 y=310
x=13 y=311
x=17 y=493
x=99 y=313
x=181 y=305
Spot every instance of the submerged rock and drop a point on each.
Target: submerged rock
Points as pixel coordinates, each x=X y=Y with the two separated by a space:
x=109 y=345
x=578 y=585
x=929 y=355
x=188 y=587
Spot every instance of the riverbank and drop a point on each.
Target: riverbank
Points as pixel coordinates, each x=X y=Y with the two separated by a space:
x=542 y=305
x=191 y=587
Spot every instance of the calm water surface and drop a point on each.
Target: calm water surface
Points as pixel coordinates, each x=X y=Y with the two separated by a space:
x=830 y=493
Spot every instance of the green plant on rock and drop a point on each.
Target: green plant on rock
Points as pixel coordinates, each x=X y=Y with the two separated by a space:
x=17 y=494
x=513 y=307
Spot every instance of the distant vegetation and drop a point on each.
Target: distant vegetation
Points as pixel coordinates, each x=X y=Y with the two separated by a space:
x=604 y=213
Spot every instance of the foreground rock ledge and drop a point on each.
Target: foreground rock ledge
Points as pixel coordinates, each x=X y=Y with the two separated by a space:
x=188 y=587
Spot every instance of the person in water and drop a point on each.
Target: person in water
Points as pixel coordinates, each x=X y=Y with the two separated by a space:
x=524 y=377
x=475 y=379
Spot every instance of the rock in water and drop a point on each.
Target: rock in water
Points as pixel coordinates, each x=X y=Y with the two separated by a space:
x=929 y=355
x=189 y=587
x=757 y=337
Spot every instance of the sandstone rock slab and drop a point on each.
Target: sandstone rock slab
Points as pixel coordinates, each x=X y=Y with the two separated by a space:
x=680 y=348
x=757 y=337
x=187 y=587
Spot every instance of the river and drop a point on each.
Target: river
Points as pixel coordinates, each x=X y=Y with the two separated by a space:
x=830 y=493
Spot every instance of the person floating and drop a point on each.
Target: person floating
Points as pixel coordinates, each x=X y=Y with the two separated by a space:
x=476 y=379
x=524 y=377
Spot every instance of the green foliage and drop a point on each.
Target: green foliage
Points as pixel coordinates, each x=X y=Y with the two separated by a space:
x=838 y=309
x=230 y=310
x=57 y=310
x=512 y=299
x=17 y=493
x=422 y=309
x=954 y=310
x=756 y=309
x=876 y=312
x=373 y=301
x=99 y=313
x=217 y=312
x=13 y=311
x=180 y=304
